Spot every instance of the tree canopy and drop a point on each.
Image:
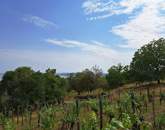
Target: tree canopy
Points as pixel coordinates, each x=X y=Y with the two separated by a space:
x=148 y=63
x=115 y=76
x=24 y=86
x=87 y=80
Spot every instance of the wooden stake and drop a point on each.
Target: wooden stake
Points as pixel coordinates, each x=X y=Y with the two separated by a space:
x=101 y=112
x=153 y=107
x=77 y=110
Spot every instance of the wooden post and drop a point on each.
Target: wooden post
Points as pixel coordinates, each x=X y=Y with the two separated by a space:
x=101 y=112
x=132 y=102
x=5 y=111
x=17 y=114
x=153 y=107
x=30 y=114
x=38 y=111
x=160 y=92
x=12 y=111
x=146 y=105
x=26 y=112
x=77 y=111
x=22 y=111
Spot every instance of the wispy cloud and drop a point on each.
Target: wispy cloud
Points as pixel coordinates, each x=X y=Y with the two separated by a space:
x=89 y=54
x=63 y=61
x=146 y=18
x=97 y=49
x=149 y=24
x=38 y=21
x=105 y=8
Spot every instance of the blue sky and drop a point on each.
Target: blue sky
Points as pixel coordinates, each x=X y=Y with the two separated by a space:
x=71 y=35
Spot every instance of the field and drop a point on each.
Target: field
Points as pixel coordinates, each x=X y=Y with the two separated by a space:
x=119 y=109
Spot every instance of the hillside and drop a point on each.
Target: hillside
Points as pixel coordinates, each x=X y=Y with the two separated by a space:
x=113 y=96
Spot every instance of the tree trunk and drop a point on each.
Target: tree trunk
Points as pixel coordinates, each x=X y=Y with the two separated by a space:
x=158 y=81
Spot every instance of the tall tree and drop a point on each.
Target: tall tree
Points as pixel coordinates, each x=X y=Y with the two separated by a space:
x=82 y=81
x=115 y=76
x=87 y=80
x=148 y=63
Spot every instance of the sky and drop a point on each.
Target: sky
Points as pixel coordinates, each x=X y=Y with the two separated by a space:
x=71 y=35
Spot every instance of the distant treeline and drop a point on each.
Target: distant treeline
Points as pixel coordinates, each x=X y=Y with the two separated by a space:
x=25 y=86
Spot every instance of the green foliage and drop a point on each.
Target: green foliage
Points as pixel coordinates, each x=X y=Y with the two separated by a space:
x=128 y=122
x=149 y=61
x=70 y=117
x=28 y=127
x=114 y=76
x=119 y=119
x=130 y=103
x=118 y=75
x=145 y=126
x=162 y=96
x=86 y=80
x=55 y=87
x=126 y=74
x=126 y=119
x=27 y=87
x=109 y=111
x=47 y=118
x=7 y=123
x=102 y=83
x=93 y=104
x=160 y=121
x=91 y=122
x=114 y=125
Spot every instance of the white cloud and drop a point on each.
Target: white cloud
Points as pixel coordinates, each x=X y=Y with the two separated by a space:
x=106 y=8
x=144 y=27
x=96 y=6
x=63 y=61
x=98 y=43
x=146 y=24
x=95 y=48
x=38 y=21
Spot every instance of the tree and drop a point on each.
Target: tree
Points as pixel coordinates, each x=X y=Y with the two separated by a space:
x=126 y=74
x=148 y=63
x=74 y=81
x=24 y=86
x=102 y=83
x=55 y=86
x=97 y=71
x=115 y=76
x=16 y=85
x=87 y=80
x=100 y=80
x=82 y=81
